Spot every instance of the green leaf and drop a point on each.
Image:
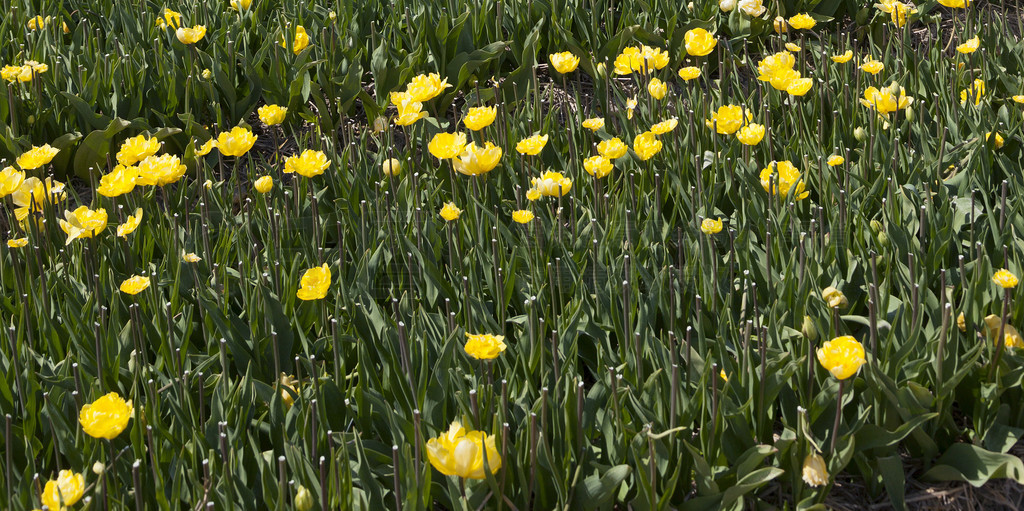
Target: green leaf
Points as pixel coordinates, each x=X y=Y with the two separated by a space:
x=975 y=465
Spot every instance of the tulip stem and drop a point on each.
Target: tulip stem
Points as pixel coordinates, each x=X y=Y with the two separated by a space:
x=839 y=414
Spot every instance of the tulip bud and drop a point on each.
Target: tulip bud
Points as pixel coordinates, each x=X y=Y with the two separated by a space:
x=379 y=124
x=264 y=184
x=207 y=74
x=876 y=226
x=909 y=112
x=391 y=167
x=602 y=70
x=98 y=468
x=961 y=322
x=808 y=329
x=814 y=471
x=332 y=15
x=883 y=239
x=860 y=134
x=303 y=499
x=726 y=5
x=894 y=89
x=31 y=119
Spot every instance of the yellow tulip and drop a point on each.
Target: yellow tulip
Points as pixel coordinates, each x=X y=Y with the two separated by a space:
x=532 y=145
x=10 y=180
x=665 y=126
x=552 y=184
x=169 y=18
x=160 y=170
x=272 y=114
x=689 y=73
x=191 y=35
x=843 y=58
x=83 y=223
x=564 y=62
x=751 y=134
x=657 y=88
x=699 y=42
x=814 y=471
x=786 y=178
x=462 y=454
x=134 y=284
x=596 y=123
x=314 y=283
x=17 y=242
x=426 y=87
x=597 y=166
x=842 y=356
x=711 y=226
x=872 y=66
x=729 y=119
x=37 y=157
x=450 y=212
x=236 y=142
x=477 y=160
x=480 y=117
x=646 y=145
x=136 y=149
x=969 y=46
x=130 y=224
x=264 y=184
x=802 y=21
x=106 y=417
x=834 y=297
x=521 y=216
x=299 y=42
x=1005 y=278
x=447 y=145
x=485 y=346
x=612 y=148
x=309 y=163
x=64 y=491
x=835 y=159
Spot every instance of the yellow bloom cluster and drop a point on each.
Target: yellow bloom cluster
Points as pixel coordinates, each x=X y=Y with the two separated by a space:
x=778 y=70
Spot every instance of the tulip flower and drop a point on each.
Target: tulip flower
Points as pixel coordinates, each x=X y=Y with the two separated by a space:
x=106 y=417
x=532 y=145
x=612 y=148
x=462 y=454
x=564 y=62
x=521 y=216
x=552 y=184
x=786 y=177
x=272 y=114
x=699 y=42
x=64 y=491
x=450 y=212
x=309 y=163
x=814 y=471
x=485 y=346
x=477 y=160
x=597 y=166
x=842 y=356
x=1005 y=278
x=130 y=224
x=134 y=284
x=480 y=117
x=160 y=170
x=423 y=88
x=236 y=142
x=10 y=180
x=711 y=226
x=136 y=149
x=191 y=35
x=83 y=223
x=447 y=145
x=646 y=145
x=802 y=21
x=314 y=283
x=689 y=73
x=665 y=126
x=729 y=119
x=37 y=157
x=593 y=123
